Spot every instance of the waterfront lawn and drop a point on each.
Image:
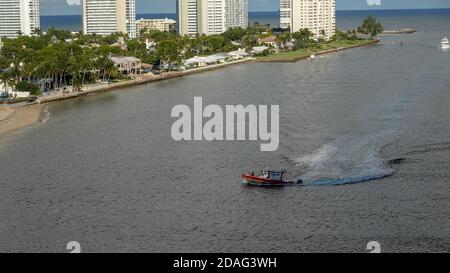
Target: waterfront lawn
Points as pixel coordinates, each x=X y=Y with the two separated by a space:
x=285 y=56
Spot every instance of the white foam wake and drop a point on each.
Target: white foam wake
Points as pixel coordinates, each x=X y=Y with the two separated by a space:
x=344 y=162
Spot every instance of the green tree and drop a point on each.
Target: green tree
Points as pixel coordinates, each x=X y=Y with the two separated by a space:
x=283 y=38
x=249 y=41
x=234 y=34
x=302 y=38
x=168 y=52
x=25 y=86
x=216 y=43
x=371 y=27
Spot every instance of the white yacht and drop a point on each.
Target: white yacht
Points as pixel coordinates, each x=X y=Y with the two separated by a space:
x=445 y=44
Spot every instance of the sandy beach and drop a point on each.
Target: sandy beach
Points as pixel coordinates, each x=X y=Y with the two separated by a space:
x=15 y=118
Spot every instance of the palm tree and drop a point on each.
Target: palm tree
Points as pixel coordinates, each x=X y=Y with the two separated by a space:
x=322 y=34
x=5 y=77
x=249 y=41
x=38 y=32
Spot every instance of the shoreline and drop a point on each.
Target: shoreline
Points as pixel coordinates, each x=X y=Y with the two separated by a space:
x=275 y=59
x=139 y=80
x=144 y=79
x=14 y=118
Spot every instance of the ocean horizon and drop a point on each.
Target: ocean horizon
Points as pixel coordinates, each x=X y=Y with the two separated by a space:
x=74 y=22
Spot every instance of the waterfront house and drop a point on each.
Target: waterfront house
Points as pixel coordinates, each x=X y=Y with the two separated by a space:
x=259 y=49
x=238 y=54
x=146 y=68
x=218 y=58
x=208 y=60
x=222 y=57
x=199 y=61
x=270 y=41
x=127 y=65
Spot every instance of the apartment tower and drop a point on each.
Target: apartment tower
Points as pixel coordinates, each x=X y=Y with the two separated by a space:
x=18 y=16
x=210 y=16
x=319 y=16
x=105 y=17
x=187 y=21
x=236 y=13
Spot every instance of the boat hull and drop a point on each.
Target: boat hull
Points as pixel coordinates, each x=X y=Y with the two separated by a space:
x=262 y=182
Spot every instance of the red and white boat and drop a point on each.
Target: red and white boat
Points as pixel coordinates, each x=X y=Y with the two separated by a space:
x=268 y=179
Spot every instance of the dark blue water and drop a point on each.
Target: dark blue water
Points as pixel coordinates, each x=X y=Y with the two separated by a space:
x=345 y=19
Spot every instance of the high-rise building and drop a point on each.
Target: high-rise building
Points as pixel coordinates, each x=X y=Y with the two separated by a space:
x=285 y=14
x=105 y=17
x=236 y=13
x=19 y=16
x=319 y=16
x=130 y=17
x=187 y=21
x=210 y=16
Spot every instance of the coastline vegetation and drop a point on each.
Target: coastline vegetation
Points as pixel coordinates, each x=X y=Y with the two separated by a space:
x=60 y=60
x=294 y=55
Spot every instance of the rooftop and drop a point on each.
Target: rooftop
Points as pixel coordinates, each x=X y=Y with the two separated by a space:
x=270 y=39
x=165 y=20
x=124 y=59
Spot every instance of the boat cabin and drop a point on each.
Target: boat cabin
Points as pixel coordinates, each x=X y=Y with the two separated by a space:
x=276 y=176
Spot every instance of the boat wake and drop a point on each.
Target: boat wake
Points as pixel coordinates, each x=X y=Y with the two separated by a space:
x=342 y=163
x=45 y=115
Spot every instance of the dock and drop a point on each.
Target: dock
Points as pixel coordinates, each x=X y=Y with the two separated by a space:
x=399 y=32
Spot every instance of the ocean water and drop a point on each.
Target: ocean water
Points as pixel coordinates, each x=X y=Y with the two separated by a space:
x=345 y=20
x=367 y=129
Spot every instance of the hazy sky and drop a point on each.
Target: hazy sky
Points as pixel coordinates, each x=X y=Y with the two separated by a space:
x=50 y=7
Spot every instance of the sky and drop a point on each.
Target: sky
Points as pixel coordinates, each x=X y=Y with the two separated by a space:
x=62 y=7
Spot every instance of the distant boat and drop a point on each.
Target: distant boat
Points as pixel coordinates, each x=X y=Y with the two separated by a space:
x=445 y=44
x=268 y=179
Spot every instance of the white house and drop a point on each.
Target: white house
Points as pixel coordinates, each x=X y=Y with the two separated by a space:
x=259 y=49
x=127 y=65
x=238 y=54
